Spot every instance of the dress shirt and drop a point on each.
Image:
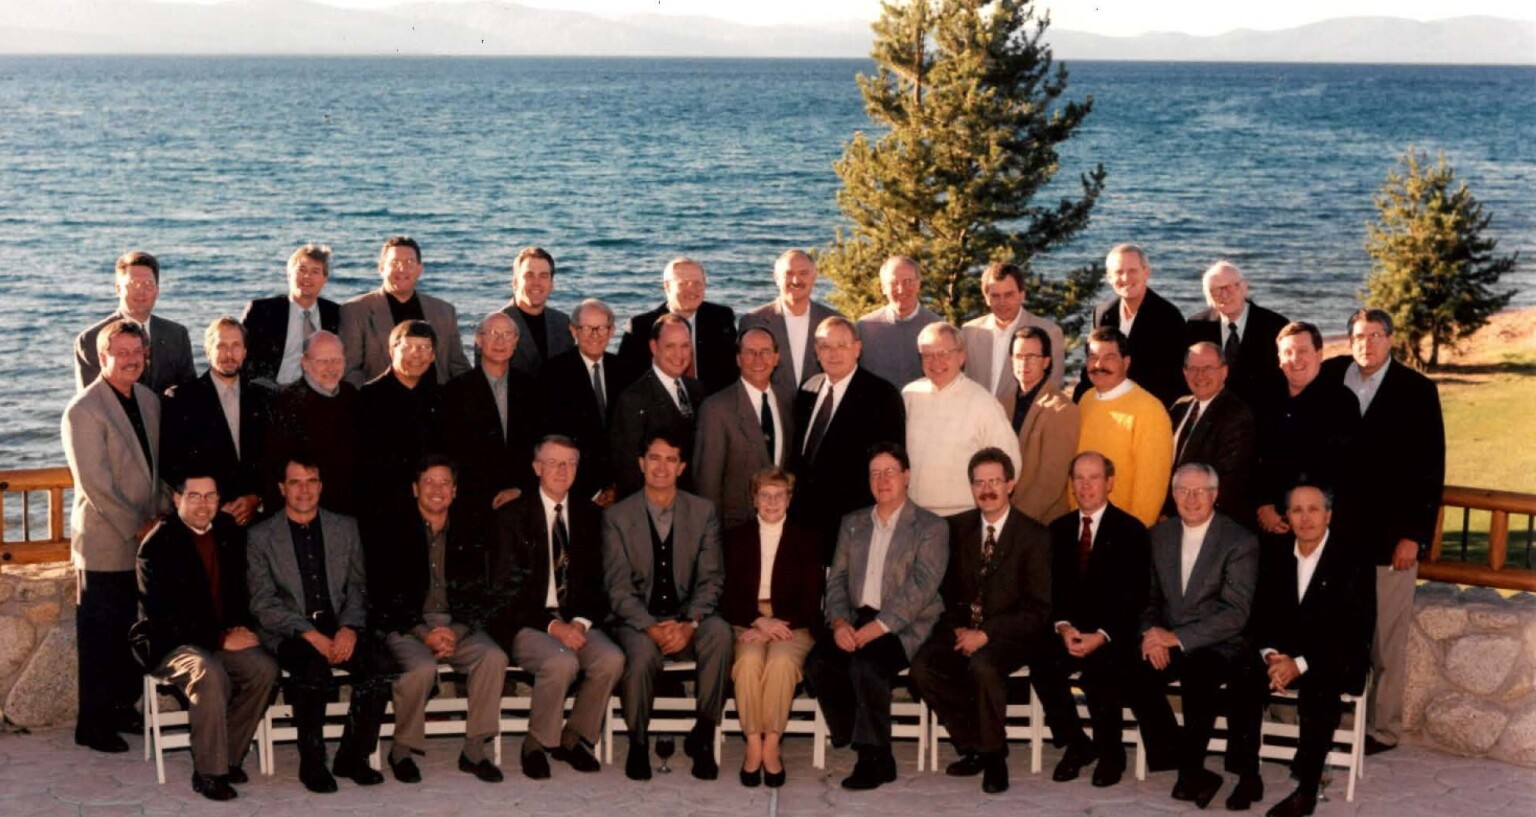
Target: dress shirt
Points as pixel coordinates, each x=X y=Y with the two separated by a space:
x=1127 y=317
x=768 y=536
x=406 y=310
x=798 y=328
x=434 y=609
x=830 y=391
x=309 y=552
x=671 y=384
x=229 y=400
x=293 y=341
x=1365 y=388
x=1093 y=528
x=1189 y=550
x=1002 y=341
x=874 y=568
x=755 y=395
x=1226 y=325
x=130 y=406
x=1306 y=566
x=551 y=600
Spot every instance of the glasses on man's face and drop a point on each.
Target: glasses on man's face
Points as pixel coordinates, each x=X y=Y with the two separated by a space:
x=1183 y=492
x=993 y=484
x=595 y=330
x=1029 y=359
x=499 y=335
x=558 y=465
x=416 y=348
x=884 y=473
x=1372 y=337
x=938 y=354
x=194 y=496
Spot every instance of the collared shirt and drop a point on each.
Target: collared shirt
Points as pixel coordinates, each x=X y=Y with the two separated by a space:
x=672 y=385
x=1203 y=404
x=309 y=552
x=229 y=400
x=879 y=545
x=997 y=527
x=131 y=406
x=1306 y=567
x=407 y=310
x=498 y=394
x=755 y=396
x=661 y=517
x=293 y=341
x=768 y=536
x=1365 y=388
x=551 y=598
x=1127 y=317
x=1093 y=532
x=1226 y=324
x=1189 y=550
x=434 y=610
x=1002 y=340
x=798 y=328
x=1117 y=392
x=829 y=391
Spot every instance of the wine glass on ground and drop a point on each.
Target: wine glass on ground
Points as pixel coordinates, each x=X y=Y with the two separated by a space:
x=665 y=747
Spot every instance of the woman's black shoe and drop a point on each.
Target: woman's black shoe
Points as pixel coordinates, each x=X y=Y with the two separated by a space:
x=774 y=780
x=752 y=779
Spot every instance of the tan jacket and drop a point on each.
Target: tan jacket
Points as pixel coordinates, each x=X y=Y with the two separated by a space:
x=1047 y=443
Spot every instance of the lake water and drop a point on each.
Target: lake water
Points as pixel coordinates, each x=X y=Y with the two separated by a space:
x=221 y=166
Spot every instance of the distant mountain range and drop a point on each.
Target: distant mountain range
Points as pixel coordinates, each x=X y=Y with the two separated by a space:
x=492 y=28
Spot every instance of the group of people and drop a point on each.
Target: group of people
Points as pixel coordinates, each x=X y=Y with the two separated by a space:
x=786 y=496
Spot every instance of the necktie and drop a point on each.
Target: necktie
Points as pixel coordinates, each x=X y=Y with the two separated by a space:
x=766 y=415
x=1189 y=426
x=1085 y=545
x=309 y=323
x=1233 y=342
x=597 y=391
x=684 y=405
x=562 y=541
x=818 y=427
x=988 y=550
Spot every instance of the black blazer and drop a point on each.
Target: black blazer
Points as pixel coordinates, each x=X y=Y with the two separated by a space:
x=1306 y=436
x=396 y=427
x=489 y=461
x=175 y=601
x=1113 y=595
x=519 y=583
x=1016 y=601
x=266 y=332
x=1256 y=371
x=1155 y=345
x=1225 y=438
x=798 y=578
x=715 y=345
x=195 y=435
x=644 y=408
x=395 y=558
x=570 y=408
x=1332 y=626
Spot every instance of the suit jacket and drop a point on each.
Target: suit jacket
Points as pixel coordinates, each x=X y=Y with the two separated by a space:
x=836 y=481
x=1015 y=588
x=175 y=596
x=520 y=566
x=1256 y=371
x=1332 y=626
x=771 y=316
x=197 y=435
x=1112 y=595
x=324 y=429
x=1214 y=610
x=116 y=489
x=398 y=571
x=798 y=578
x=646 y=407
x=1047 y=444
x=977 y=336
x=570 y=408
x=1155 y=345
x=910 y=603
x=729 y=448
x=557 y=338
x=277 y=591
x=489 y=460
x=1307 y=436
x=1392 y=489
x=714 y=344
x=167 y=361
x=365 y=327
x=266 y=332
x=1225 y=438
x=698 y=565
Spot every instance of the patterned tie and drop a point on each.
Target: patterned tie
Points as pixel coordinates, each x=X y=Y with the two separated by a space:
x=1233 y=342
x=309 y=323
x=1085 y=545
x=818 y=427
x=988 y=550
x=597 y=391
x=766 y=415
x=684 y=405
x=562 y=545
x=1189 y=426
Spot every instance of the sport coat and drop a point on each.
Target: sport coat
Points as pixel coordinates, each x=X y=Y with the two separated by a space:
x=1256 y=372
x=266 y=332
x=1155 y=345
x=116 y=488
x=1225 y=438
x=1309 y=436
x=797 y=584
x=1332 y=626
x=489 y=459
x=197 y=436
x=977 y=336
x=910 y=603
x=277 y=590
x=771 y=316
x=520 y=569
x=836 y=480
x=1015 y=586
x=398 y=570
x=714 y=345
x=175 y=595
x=1047 y=444
x=365 y=326
x=1214 y=610
x=698 y=563
x=730 y=447
x=396 y=427
x=557 y=338
x=643 y=409
x=570 y=408
x=167 y=361
x=1112 y=595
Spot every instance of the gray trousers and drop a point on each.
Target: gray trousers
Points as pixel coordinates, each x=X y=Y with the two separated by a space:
x=478 y=657
x=554 y=669
x=228 y=692
x=712 y=648
x=1389 y=652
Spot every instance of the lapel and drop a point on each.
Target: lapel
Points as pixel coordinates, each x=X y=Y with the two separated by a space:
x=527 y=349
x=284 y=563
x=336 y=558
x=640 y=553
x=685 y=541
x=378 y=318
x=538 y=543
x=902 y=540
x=860 y=530
x=113 y=411
x=1388 y=385
x=749 y=421
x=1205 y=561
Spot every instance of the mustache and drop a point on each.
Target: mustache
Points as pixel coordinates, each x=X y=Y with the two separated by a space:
x=1099 y=370
x=988 y=496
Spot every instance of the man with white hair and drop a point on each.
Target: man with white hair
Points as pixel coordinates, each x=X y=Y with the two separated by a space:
x=1244 y=330
x=890 y=332
x=712 y=328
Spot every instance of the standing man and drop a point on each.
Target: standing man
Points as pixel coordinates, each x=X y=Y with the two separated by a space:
x=277 y=327
x=988 y=338
x=111 y=433
x=1153 y=328
x=743 y=430
x=881 y=604
x=1244 y=331
x=1393 y=500
x=892 y=330
x=664 y=571
x=792 y=318
x=580 y=387
x=542 y=330
x=1128 y=425
x=367 y=320
x=317 y=416
x=711 y=329
x=196 y=631
x=997 y=596
x=399 y=420
x=1213 y=425
x=1046 y=422
x=664 y=398
x=167 y=346
x=547 y=577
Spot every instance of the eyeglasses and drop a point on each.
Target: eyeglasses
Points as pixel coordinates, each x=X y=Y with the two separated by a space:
x=1029 y=358
x=595 y=330
x=884 y=473
x=500 y=334
x=1370 y=336
x=416 y=348
x=773 y=496
x=1182 y=492
x=989 y=484
x=938 y=354
x=558 y=465
x=192 y=496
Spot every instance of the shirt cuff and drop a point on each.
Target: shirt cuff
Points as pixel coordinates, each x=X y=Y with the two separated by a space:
x=1267 y=652
x=1301 y=665
x=1107 y=639
x=586 y=623
x=883 y=626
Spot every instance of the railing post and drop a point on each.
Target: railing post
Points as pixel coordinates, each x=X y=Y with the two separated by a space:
x=56 y=514
x=1498 y=539
x=1436 y=544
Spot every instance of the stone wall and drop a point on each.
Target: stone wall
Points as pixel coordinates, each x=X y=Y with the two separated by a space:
x=37 y=645
x=1472 y=673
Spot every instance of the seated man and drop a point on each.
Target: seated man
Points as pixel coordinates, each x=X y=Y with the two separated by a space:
x=664 y=571
x=195 y=631
x=1204 y=566
x=881 y=604
x=426 y=575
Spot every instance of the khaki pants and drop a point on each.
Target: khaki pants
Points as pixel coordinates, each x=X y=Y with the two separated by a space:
x=765 y=674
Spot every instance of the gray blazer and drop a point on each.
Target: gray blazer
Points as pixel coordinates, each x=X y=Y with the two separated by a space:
x=557 y=338
x=168 y=359
x=365 y=327
x=914 y=571
x=698 y=562
x=116 y=490
x=1213 y=612
x=277 y=590
x=976 y=334
x=771 y=316
x=729 y=448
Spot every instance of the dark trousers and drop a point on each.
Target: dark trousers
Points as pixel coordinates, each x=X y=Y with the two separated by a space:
x=968 y=693
x=1102 y=679
x=711 y=653
x=1200 y=675
x=1317 y=705
x=854 y=689
x=371 y=670
x=110 y=677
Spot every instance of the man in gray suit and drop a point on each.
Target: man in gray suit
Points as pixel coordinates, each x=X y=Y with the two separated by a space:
x=989 y=338
x=742 y=430
x=111 y=434
x=167 y=346
x=308 y=593
x=792 y=318
x=881 y=604
x=664 y=570
x=542 y=330
x=367 y=320
x=1204 y=569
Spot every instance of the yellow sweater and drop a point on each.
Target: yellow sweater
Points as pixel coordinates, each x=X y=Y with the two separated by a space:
x=1133 y=430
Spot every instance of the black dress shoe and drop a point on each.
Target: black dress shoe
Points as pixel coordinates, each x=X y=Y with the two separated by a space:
x=1298 y=804
x=1072 y=763
x=535 y=765
x=700 y=745
x=752 y=779
x=213 y=787
x=358 y=771
x=776 y=779
x=994 y=778
x=108 y=742
x=404 y=770
x=1249 y=790
x=1198 y=787
x=1376 y=747
x=486 y=771
x=970 y=764
x=866 y=775
x=237 y=776
x=317 y=778
x=638 y=765
x=1107 y=774
x=579 y=757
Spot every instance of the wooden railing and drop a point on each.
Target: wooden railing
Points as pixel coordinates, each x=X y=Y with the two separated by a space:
x=29 y=548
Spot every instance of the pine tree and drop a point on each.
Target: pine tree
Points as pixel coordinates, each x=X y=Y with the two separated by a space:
x=971 y=113
x=1433 y=270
